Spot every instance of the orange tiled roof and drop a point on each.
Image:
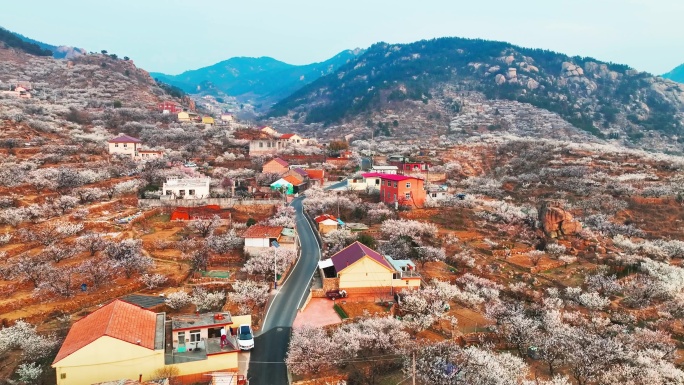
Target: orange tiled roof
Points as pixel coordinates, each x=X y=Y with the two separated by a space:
x=118 y=319
x=293 y=180
x=287 y=136
x=315 y=174
x=259 y=231
x=323 y=217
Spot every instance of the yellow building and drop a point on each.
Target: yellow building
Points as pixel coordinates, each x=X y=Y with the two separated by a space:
x=358 y=269
x=119 y=340
x=123 y=340
x=326 y=223
x=208 y=120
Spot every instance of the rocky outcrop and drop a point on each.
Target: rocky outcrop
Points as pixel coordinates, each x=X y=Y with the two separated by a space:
x=556 y=222
x=569 y=69
x=500 y=79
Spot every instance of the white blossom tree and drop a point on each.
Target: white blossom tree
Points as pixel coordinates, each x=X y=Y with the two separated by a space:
x=205 y=300
x=248 y=294
x=178 y=300
x=153 y=281
x=269 y=261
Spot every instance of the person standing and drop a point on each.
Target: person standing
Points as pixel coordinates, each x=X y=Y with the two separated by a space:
x=224 y=338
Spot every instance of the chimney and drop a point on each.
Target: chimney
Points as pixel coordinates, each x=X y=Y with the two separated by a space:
x=140 y=378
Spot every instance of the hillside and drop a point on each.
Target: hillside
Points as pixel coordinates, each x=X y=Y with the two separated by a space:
x=676 y=75
x=261 y=80
x=605 y=99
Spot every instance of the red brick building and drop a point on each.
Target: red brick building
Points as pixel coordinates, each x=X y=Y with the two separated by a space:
x=404 y=190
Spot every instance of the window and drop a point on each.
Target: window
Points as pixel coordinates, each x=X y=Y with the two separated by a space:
x=191 y=192
x=125 y=145
x=181 y=192
x=268 y=144
x=408 y=184
x=62 y=376
x=396 y=184
x=434 y=195
x=377 y=181
x=168 y=192
x=116 y=144
x=194 y=335
x=407 y=195
x=261 y=144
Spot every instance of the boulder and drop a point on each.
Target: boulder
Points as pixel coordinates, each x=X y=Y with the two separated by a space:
x=532 y=84
x=567 y=66
x=556 y=222
x=493 y=69
x=509 y=59
x=500 y=79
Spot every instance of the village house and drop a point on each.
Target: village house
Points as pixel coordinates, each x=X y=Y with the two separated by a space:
x=298 y=173
x=275 y=166
x=360 y=270
x=259 y=238
x=130 y=146
x=227 y=118
x=190 y=188
x=365 y=182
x=436 y=193
x=391 y=170
x=208 y=120
x=406 y=166
x=187 y=117
x=268 y=131
x=150 y=154
x=123 y=340
x=316 y=177
x=124 y=145
x=293 y=138
x=327 y=223
x=266 y=146
x=169 y=107
x=402 y=190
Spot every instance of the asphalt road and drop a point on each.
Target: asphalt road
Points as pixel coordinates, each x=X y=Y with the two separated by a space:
x=365 y=164
x=267 y=362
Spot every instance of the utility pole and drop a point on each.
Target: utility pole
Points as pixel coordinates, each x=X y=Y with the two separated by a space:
x=414 y=368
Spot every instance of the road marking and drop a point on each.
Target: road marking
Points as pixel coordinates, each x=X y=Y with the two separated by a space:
x=319 y=259
x=289 y=275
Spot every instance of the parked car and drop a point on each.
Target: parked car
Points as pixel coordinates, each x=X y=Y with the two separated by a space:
x=245 y=337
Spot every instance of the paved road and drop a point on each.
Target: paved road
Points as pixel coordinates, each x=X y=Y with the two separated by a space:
x=365 y=164
x=338 y=185
x=267 y=363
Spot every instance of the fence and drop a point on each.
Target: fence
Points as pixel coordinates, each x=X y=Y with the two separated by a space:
x=223 y=203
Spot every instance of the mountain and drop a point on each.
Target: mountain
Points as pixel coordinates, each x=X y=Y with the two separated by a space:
x=35 y=47
x=605 y=99
x=676 y=75
x=258 y=80
x=12 y=40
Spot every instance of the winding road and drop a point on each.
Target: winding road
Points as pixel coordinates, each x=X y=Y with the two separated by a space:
x=267 y=361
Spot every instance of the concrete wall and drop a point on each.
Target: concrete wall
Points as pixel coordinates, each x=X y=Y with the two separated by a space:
x=108 y=359
x=224 y=203
x=406 y=283
x=214 y=362
x=363 y=273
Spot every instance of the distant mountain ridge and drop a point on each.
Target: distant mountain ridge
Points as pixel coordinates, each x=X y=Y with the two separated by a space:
x=262 y=80
x=39 y=48
x=605 y=99
x=676 y=75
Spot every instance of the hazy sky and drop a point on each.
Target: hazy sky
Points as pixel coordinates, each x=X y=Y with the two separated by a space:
x=172 y=36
